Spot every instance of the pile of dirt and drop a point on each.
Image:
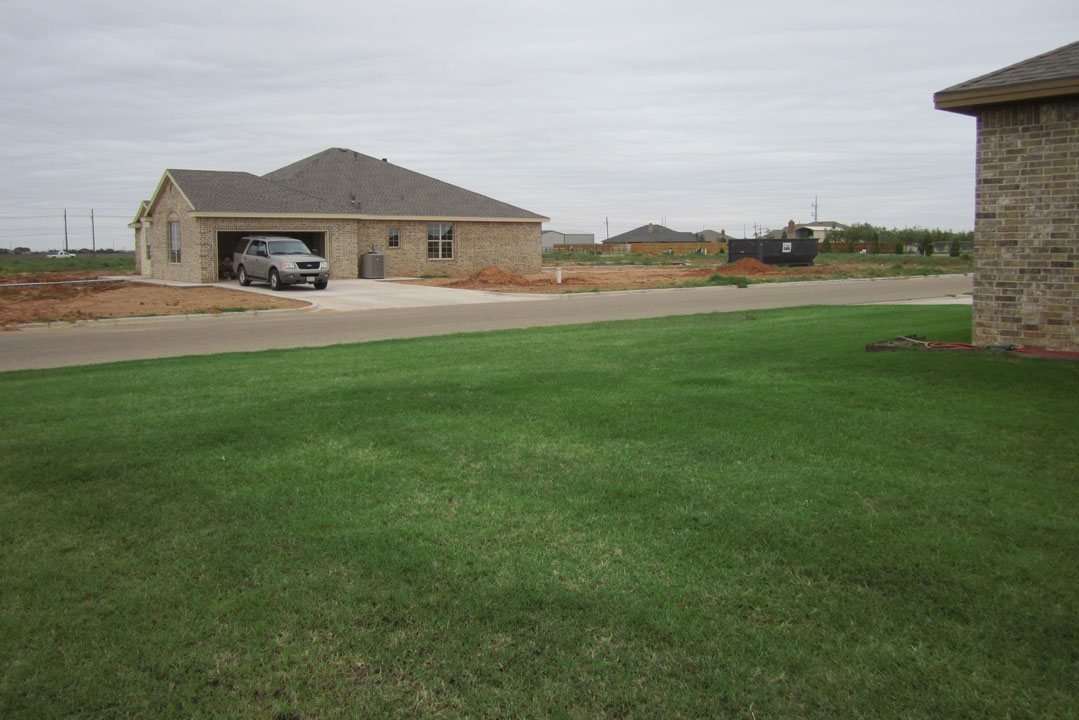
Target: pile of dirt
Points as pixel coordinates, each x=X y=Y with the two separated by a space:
x=747 y=267
x=492 y=275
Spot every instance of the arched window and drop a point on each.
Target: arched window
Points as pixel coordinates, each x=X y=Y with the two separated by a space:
x=174 y=238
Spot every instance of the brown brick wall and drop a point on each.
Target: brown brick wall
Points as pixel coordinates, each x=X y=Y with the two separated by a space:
x=1026 y=288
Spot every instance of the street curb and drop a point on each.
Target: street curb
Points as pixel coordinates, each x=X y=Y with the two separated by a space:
x=314 y=306
x=61 y=324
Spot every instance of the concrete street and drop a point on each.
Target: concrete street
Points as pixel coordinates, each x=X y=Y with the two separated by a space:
x=207 y=334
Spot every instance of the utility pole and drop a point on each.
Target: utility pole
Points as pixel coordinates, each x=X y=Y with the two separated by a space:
x=93 y=235
x=814 y=208
x=607 y=221
x=65 y=229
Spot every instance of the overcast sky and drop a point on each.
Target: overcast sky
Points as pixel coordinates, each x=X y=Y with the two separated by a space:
x=703 y=114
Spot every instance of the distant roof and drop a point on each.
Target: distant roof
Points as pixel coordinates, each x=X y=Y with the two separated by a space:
x=653 y=233
x=824 y=224
x=338 y=182
x=1051 y=74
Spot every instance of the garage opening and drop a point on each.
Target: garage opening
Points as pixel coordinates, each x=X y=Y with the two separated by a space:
x=228 y=240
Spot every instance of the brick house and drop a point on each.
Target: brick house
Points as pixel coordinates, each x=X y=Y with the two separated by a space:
x=1026 y=287
x=342 y=204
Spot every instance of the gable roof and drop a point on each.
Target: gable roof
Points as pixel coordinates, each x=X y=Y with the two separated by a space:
x=1051 y=74
x=336 y=182
x=362 y=184
x=653 y=233
x=144 y=207
x=218 y=191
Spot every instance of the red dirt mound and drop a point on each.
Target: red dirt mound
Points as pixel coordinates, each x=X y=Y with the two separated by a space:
x=492 y=275
x=747 y=266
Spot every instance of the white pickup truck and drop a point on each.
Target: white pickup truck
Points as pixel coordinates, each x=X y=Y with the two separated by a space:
x=279 y=261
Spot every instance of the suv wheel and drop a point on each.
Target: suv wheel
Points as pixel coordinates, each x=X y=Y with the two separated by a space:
x=321 y=285
x=275 y=280
x=242 y=275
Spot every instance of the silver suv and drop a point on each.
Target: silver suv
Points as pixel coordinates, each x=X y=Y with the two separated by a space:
x=279 y=261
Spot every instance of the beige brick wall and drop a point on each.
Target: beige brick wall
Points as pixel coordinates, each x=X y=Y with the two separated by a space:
x=340 y=238
x=513 y=247
x=172 y=206
x=1026 y=289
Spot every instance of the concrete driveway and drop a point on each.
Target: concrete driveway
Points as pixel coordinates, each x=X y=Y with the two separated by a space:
x=379 y=294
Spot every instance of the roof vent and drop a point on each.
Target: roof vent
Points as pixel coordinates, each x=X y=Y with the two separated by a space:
x=383 y=159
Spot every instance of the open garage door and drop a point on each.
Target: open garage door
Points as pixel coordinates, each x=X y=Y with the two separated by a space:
x=228 y=240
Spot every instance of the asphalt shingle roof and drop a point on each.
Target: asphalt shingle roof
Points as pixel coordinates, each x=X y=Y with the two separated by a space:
x=659 y=233
x=359 y=183
x=1058 y=64
x=339 y=182
x=220 y=191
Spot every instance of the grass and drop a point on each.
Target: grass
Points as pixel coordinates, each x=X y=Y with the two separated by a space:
x=717 y=280
x=37 y=263
x=842 y=265
x=720 y=515
x=897 y=265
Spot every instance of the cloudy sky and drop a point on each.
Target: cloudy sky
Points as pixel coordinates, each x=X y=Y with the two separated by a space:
x=695 y=114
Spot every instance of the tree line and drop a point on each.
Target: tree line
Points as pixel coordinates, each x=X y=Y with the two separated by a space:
x=878 y=239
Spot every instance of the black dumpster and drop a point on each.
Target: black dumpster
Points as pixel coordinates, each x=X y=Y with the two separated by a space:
x=372 y=266
x=774 y=252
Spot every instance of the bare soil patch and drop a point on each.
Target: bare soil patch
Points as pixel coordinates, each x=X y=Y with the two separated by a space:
x=590 y=277
x=59 y=276
x=86 y=301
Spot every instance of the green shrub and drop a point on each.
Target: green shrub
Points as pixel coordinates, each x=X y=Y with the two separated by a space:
x=737 y=280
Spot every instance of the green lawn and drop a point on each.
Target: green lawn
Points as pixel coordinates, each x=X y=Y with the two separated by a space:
x=118 y=262
x=739 y=515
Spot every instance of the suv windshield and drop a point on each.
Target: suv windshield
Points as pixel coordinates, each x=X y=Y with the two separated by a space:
x=288 y=247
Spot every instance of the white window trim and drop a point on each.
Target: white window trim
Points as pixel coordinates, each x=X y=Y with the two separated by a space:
x=453 y=243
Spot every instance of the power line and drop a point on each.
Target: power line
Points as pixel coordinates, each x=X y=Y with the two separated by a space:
x=29 y=217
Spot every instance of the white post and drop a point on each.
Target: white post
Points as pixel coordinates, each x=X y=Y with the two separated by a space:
x=558 y=275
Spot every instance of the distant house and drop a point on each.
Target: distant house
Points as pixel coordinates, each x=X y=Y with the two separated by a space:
x=654 y=239
x=816 y=230
x=550 y=238
x=652 y=233
x=342 y=204
x=1026 y=207
x=713 y=236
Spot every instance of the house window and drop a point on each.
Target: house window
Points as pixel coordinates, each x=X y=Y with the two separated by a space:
x=174 y=241
x=439 y=241
x=395 y=238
